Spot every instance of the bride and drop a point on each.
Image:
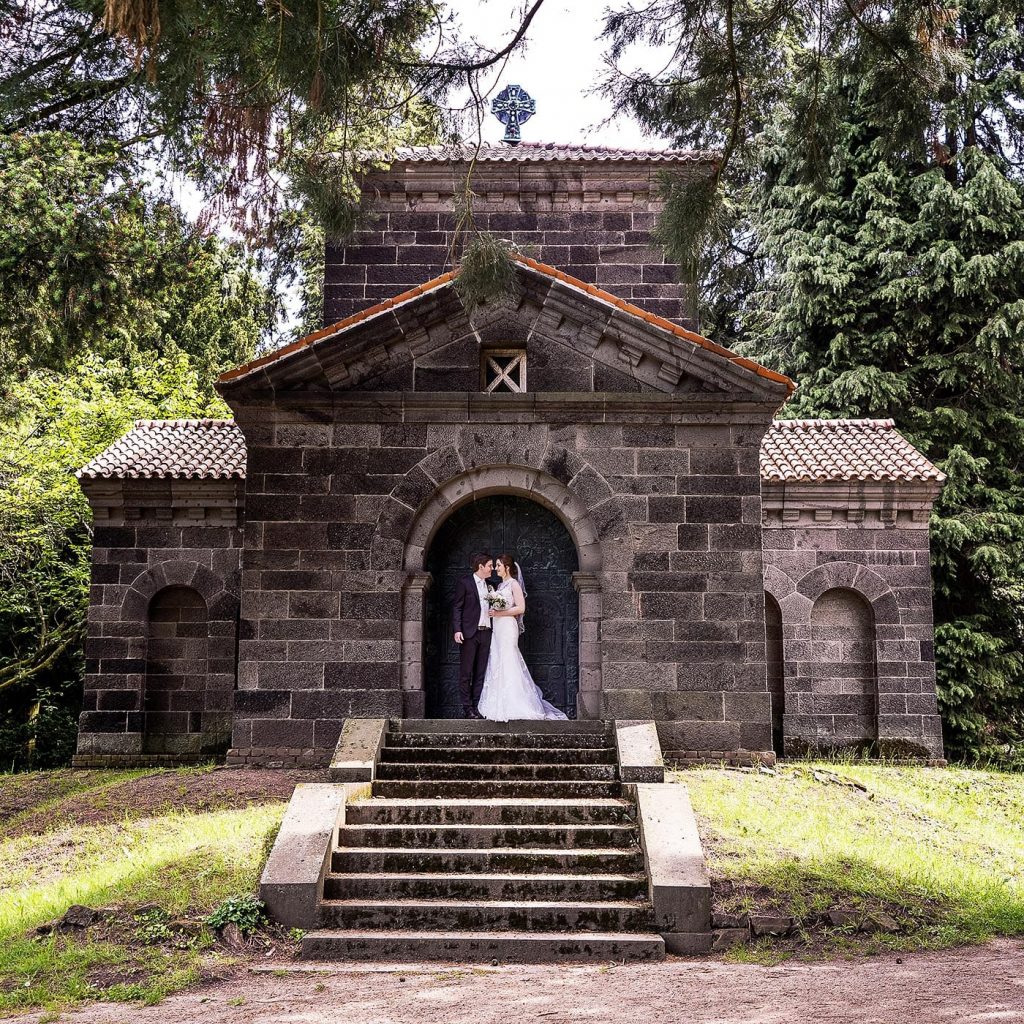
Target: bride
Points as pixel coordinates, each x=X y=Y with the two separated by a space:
x=509 y=692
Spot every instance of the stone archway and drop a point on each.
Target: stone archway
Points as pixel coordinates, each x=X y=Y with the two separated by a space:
x=445 y=500
x=538 y=539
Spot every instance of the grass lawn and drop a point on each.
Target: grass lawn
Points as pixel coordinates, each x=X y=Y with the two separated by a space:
x=102 y=840
x=939 y=849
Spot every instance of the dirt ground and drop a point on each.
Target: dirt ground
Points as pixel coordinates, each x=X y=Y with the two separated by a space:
x=139 y=797
x=975 y=985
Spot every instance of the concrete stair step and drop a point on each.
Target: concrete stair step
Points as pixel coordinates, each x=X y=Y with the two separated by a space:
x=494 y=789
x=522 y=726
x=500 y=772
x=492 y=915
x=521 y=859
x=499 y=755
x=516 y=947
x=599 y=811
x=504 y=886
x=479 y=837
x=540 y=741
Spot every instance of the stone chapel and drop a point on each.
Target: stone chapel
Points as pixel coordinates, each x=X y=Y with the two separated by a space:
x=753 y=585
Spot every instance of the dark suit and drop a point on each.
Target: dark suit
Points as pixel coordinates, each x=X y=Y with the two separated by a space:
x=476 y=642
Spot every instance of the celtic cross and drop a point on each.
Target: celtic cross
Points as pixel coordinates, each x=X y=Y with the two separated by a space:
x=513 y=107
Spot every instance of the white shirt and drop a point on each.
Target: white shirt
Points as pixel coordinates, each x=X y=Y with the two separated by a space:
x=485 y=608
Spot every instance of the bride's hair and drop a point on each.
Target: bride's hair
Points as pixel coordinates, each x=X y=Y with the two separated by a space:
x=509 y=562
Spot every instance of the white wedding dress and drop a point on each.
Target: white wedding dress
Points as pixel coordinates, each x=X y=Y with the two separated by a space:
x=509 y=692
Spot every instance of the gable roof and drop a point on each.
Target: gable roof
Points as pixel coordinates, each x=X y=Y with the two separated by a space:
x=795 y=451
x=792 y=451
x=678 y=334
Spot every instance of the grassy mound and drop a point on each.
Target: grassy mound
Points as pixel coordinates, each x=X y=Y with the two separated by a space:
x=157 y=850
x=941 y=850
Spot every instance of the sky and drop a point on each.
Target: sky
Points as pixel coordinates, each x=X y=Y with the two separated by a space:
x=560 y=65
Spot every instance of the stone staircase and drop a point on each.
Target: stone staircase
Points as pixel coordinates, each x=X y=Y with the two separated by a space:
x=481 y=841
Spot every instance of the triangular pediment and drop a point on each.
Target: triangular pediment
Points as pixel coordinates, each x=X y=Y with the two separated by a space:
x=575 y=336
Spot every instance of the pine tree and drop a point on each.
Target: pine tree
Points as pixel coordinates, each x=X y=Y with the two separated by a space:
x=865 y=233
x=898 y=290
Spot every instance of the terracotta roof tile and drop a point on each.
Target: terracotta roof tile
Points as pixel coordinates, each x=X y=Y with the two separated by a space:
x=182 y=449
x=528 y=152
x=824 y=450
x=793 y=450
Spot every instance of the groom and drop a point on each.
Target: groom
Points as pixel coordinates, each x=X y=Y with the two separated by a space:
x=472 y=622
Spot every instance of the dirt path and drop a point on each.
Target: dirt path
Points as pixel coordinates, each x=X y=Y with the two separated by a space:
x=964 y=986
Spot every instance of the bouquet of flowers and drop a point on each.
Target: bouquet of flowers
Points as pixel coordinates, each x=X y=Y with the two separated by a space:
x=495 y=600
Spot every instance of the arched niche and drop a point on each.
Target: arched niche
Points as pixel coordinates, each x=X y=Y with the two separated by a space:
x=775 y=659
x=185 y=711
x=844 y=673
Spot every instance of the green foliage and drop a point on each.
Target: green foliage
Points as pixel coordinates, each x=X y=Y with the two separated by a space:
x=157 y=864
x=900 y=294
x=941 y=851
x=88 y=264
x=487 y=272
x=153 y=926
x=224 y=91
x=247 y=911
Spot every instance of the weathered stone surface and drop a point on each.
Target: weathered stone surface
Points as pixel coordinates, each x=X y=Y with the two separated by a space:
x=292 y=880
x=639 y=752
x=355 y=758
x=727 y=938
x=679 y=886
x=77 y=917
x=766 y=924
x=723 y=920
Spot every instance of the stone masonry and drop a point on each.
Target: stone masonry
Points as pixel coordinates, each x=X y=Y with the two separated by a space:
x=151 y=535
x=304 y=528
x=588 y=212
x=660 y=487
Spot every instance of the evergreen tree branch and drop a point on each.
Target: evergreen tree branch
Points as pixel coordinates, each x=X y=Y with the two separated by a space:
x=81 y=92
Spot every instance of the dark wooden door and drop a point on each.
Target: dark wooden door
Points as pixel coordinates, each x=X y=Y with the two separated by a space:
x=544 y=549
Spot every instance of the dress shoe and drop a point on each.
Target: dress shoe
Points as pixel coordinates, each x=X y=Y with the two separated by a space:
x=474 y=714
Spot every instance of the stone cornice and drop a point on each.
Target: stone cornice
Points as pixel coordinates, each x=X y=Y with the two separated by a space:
x=569 y=185
x=189 y=502
x=472 y=406
x=846 y=503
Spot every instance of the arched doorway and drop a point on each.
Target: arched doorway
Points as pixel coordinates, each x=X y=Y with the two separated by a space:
x=547 y=554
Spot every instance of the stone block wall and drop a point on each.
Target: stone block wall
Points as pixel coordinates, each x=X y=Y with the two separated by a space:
x=592 y=220
x=160 y=649
x=849 y=567
x=341 y=501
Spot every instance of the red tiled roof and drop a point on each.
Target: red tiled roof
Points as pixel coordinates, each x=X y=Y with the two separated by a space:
x=527 y=152
x=181 y=449
x=792 y=451
x=823 y=450
x=542 y=268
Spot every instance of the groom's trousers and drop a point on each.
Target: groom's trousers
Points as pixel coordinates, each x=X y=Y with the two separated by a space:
x=472 y=667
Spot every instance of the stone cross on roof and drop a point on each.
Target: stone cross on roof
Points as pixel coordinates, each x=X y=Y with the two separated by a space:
x=513 y=107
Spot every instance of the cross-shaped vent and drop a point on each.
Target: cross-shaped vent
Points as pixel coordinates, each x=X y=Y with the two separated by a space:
x=504 y=371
